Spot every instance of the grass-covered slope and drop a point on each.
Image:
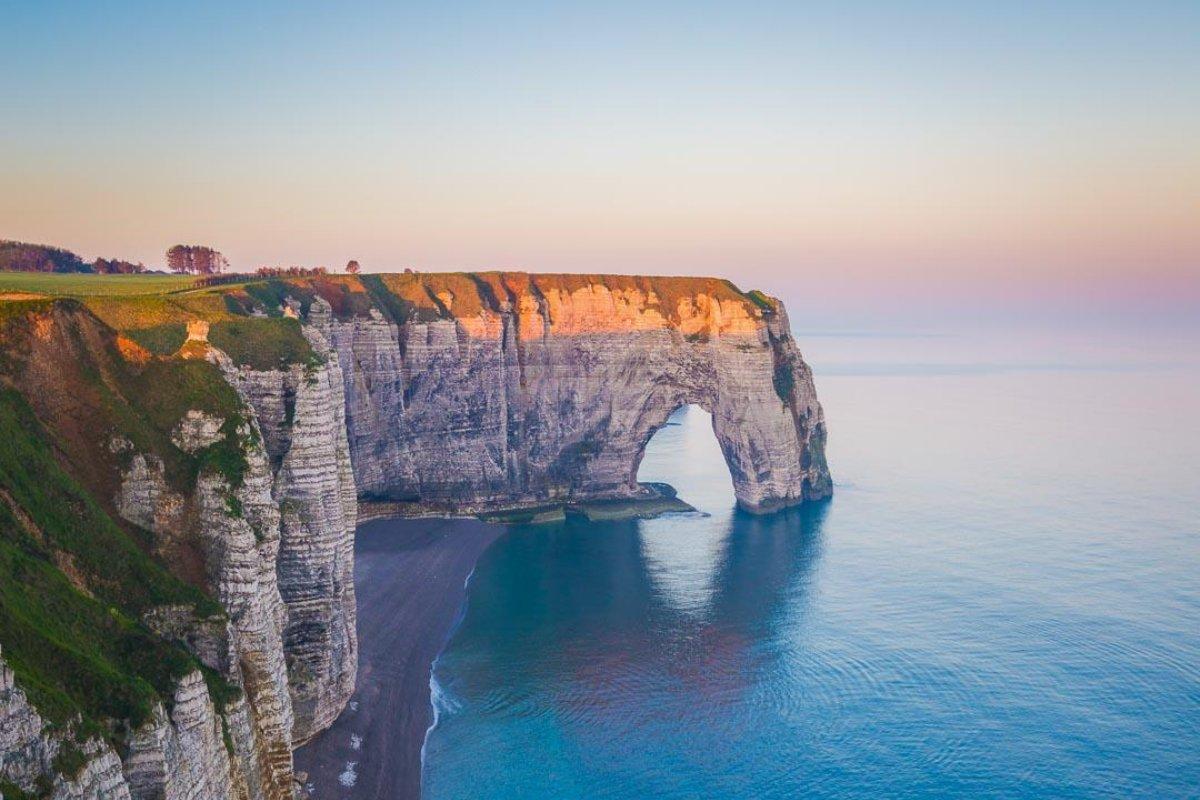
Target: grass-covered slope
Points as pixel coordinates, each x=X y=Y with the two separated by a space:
x=88 y=381
x=75 y=581
x=91 y=386
x=246 y=319
x=263 y=343
x=72 y=587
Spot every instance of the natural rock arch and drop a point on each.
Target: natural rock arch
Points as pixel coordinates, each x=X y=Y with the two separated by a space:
x=538 y=389
x=772 y=443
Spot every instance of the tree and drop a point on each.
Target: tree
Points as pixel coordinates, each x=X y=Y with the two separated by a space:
x=22 y=257
x=116 y=266
x=185 y=258
x=352 y=267
x=178 y=259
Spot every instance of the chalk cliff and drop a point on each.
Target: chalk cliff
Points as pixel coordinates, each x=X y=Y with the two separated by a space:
x=267 y=534
x=214 y=447
x=303 y=408
x=503 y=389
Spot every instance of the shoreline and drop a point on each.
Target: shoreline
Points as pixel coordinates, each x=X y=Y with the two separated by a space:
x=411 y=577
x=458 y=620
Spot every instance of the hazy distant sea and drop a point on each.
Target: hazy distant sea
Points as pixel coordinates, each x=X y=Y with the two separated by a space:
x=1002 y=599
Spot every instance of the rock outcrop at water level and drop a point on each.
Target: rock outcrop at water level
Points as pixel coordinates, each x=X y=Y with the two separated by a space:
x=180 y=478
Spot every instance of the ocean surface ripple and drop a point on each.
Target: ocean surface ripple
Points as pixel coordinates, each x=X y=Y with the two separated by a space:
x=1001 y=600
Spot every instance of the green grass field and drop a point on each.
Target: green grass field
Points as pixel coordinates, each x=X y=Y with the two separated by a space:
x=153 y=309
x=76 y=285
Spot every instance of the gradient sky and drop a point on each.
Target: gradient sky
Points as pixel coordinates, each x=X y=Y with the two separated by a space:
x=844 y=155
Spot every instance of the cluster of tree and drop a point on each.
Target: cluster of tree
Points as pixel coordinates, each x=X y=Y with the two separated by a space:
x=352 y=268
x=24 y=257
x=115 y=266
x=182 y=258
x=290 y=272
x=196 y=259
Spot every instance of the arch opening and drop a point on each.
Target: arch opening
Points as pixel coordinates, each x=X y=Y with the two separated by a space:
x=684 y=452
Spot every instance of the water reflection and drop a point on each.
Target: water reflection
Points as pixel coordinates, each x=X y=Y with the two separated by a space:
x=577 y=619
x=584 y=639
x=993 y=605
x=683 y=554
x=767 y=567
x=762 y=573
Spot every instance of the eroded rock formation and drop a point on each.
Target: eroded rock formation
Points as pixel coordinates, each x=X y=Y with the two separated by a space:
x=29 y=748
x=442 y=393
x=506 y=389
x=303 y=413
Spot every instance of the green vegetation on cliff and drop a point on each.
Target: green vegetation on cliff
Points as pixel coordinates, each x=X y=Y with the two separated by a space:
x=761 y=299
x=156 y=396
x=110 y=399
x=263 y=343
x=130 y=303
x=161 y=340
x=153 y=310
x=73 y=586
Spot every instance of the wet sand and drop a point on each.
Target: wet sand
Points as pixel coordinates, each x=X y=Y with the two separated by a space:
x=409 y=576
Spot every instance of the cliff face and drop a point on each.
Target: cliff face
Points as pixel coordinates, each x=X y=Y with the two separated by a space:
x=238 y=530
x=29 y=751
x=178 y=754
x=178 y=510
x=263 y=522
x=303 y=408
x=507 y=389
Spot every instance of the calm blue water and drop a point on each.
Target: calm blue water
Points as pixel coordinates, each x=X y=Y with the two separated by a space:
x=1002 y=600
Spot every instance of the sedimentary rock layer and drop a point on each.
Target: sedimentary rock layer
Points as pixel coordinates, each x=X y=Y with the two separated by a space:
x=303 y=410
x=29 y=748
x=505 y=388
x=441 y=393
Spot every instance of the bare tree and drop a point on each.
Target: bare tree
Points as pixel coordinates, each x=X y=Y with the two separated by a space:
x=352 y=267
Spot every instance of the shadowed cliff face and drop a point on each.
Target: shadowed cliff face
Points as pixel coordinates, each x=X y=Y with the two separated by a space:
x=492 y=389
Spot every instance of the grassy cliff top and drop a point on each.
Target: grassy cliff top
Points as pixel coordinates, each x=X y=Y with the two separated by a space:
x=139 y=302
x=87 y=285
x=153 y=311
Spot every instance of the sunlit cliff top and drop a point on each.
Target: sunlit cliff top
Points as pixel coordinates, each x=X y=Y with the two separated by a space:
x=144 y=301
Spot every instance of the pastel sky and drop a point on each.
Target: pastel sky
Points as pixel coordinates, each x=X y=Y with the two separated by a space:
x=842 y=155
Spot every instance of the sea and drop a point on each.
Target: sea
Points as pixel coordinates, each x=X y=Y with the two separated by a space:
x=1002 y=599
